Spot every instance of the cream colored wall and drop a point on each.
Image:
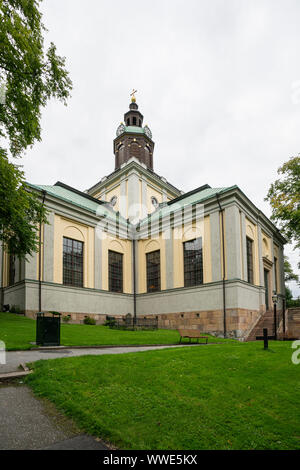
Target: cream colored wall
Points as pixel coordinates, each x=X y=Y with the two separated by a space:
x=144 y=247
x=266 y=246
x=107 y=188
x=114 y=192
x=64 y=227
x=251 y=232
x=121 y=246
x=151 y=192
x=221 y=243
x=190 y=232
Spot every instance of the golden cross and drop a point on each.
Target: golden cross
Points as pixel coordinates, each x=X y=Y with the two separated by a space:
x=132 y=94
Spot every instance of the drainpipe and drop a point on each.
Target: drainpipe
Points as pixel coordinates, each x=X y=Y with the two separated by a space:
x=2 y=283
x=221 y=211
x=134 y=282
x=40 y=258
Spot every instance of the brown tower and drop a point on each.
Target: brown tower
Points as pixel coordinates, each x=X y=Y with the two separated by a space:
x=132 y=139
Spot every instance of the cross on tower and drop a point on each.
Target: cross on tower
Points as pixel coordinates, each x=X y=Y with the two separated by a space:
x=132 y=94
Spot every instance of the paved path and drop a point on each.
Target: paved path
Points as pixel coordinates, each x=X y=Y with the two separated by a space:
x=28 y=423
x=15 y=358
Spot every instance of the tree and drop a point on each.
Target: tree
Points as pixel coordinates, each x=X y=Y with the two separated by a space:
x=289 y=274
x=29 y=77
x=284 y=197
x=21 y=212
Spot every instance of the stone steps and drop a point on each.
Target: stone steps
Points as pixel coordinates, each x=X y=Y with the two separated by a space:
x=266 y=321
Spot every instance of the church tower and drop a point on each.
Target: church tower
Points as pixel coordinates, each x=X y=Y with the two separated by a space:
x=132 y=139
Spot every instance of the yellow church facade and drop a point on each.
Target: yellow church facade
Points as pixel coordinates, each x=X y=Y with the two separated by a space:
x=133 y=243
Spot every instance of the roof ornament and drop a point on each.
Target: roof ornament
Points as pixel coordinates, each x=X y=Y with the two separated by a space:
x=133 y=98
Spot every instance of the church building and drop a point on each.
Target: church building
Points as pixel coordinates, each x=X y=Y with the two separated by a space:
x=133 y=243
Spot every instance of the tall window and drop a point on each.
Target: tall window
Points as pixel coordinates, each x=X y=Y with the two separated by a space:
x=249 y=246
x=193 y=262
x=72 y=262
x=153 y=271
x=275 y=273
x=115 y=271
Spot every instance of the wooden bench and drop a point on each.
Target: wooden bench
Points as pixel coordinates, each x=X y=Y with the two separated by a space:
x=191 y=334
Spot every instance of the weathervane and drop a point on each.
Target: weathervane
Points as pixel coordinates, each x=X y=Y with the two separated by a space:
x=133 y=99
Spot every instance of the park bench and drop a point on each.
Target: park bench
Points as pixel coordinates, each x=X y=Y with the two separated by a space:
x=191 y=334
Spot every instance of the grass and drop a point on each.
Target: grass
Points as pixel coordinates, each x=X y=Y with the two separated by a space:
x=18 y=332
x=224 y=396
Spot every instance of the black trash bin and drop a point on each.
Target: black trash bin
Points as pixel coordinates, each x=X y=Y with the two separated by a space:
x=48 y=329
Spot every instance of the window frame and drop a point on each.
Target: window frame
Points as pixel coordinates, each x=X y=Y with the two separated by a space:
x=249 y=256
x=113 y=279
x=192 y=277
x=153 y=283
x=75 y=259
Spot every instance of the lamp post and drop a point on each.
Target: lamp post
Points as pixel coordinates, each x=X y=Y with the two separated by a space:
x=275 y=299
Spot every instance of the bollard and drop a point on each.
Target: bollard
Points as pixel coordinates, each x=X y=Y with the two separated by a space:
x=266 y=340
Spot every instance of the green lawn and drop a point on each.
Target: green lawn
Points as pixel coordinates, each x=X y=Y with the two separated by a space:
x=17 y=332
x=224 y=396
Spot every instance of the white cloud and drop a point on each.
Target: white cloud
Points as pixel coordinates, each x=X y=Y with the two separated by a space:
x=216 y=84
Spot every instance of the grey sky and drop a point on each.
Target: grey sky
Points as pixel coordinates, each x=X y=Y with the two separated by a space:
x=218 y=83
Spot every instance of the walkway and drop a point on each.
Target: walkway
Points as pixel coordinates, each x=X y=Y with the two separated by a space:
x=15 y=358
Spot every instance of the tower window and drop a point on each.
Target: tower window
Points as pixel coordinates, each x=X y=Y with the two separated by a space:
x=128 y=122
x=72 y=262
x=249 y=247
x=193 y=262
x=115 y=271
x=140 y=123
x=153 y=271
x=134 y=120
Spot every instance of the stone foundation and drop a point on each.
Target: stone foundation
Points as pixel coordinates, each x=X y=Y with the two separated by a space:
x=293 y=322
x=238 y=321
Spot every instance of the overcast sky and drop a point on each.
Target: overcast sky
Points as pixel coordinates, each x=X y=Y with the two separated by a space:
x=218 y=83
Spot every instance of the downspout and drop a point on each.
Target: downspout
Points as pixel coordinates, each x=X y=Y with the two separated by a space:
x=2 y=275
x=40 y=258
x=221 y=211
x=134 y=282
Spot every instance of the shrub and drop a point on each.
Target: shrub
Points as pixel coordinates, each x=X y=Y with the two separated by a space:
x=66 y=318
x=89 y=321
x=15 y=309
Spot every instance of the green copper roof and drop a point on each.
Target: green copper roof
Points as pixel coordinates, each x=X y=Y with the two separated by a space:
x=134 y=129
x=78 y=200
x=194 y=198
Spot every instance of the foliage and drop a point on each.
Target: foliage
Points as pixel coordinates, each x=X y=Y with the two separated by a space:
x=31 y=75
x=15 y=309
x=89 y=321
x=66 y=318
x=288 y=294
x=223 y=396
x=293 y=303
x=284 y=197
x=289 y=274
x=20 y=210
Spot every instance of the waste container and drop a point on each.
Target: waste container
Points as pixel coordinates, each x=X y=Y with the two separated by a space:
x=48 y=329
